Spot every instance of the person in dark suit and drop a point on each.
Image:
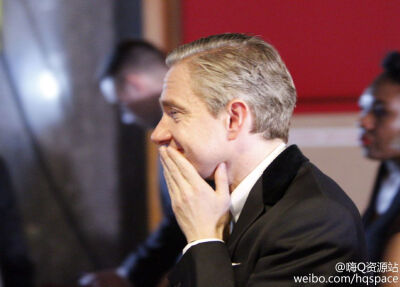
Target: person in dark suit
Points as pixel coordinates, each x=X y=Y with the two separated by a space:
x=380 y=140
x=132 y=78
x=16 y=268
x=227 y=103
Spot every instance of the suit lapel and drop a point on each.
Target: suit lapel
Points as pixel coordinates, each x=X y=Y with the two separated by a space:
x=252 y=209
x=267 y=191
x=381 y=222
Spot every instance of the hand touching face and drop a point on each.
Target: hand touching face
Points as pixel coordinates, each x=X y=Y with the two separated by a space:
x=188 y=126
x=200 y=211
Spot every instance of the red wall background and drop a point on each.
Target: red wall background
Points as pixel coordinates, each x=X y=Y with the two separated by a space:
x=332 y=48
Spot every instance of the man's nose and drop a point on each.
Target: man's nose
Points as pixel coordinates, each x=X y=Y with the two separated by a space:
x=161 y=134
x=367 y=120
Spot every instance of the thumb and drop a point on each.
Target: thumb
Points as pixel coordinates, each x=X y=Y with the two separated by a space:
x=221 y=179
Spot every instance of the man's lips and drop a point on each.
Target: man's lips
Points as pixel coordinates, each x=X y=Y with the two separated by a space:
x=365 y=140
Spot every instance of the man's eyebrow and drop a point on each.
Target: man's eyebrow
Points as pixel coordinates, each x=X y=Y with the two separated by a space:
x=170 y=104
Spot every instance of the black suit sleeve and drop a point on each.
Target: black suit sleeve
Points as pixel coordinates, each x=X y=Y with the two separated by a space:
x=205 y=264
x=157 y=255
x=16 y=267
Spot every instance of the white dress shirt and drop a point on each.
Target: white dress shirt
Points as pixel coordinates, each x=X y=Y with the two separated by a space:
x=388 y=189
x=241 y=192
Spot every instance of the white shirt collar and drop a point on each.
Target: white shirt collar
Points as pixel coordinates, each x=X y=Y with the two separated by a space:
x=241 y=192
x=392 y=167
x=388 y=189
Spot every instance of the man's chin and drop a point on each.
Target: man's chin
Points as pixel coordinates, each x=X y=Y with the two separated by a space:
x=210 y=174
x=367 y=153
x=375 y=155
x=206 y=174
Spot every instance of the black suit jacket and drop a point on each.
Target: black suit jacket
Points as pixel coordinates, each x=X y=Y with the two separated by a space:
x=15 y=265
x=296 y=221
x=159 y=253
x=379 y=229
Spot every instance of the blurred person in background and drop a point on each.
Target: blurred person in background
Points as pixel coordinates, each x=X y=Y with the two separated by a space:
x=380 y=140
x=133 y=79
x=16 y=269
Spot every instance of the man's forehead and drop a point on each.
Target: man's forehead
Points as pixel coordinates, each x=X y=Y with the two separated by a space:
x=176 y=88
x=170 y=94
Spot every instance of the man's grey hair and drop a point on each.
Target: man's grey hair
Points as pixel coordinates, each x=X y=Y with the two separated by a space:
x=228 y=66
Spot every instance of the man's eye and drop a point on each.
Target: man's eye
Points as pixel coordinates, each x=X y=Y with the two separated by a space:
x=173 y=114
x=379 y=111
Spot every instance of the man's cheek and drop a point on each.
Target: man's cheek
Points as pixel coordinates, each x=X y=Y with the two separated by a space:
x=395 y=144
x=192 y=159
x=198 y=164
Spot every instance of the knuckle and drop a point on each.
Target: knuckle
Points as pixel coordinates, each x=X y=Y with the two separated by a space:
x=177 y=204
x=185 y=198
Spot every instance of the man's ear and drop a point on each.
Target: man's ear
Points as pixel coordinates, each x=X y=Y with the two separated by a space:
x=238 y=115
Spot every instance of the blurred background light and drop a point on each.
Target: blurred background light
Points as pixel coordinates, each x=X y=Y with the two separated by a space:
x=107 y=88
x=49 y=87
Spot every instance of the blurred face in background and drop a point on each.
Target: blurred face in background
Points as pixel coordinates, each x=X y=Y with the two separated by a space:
x=137 y=95
x=380 y=121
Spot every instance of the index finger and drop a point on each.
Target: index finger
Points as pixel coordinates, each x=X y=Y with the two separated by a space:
x=187 y=169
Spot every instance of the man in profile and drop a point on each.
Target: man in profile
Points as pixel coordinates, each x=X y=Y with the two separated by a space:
x=227 y=103
x=132 y=78
x=380 y=140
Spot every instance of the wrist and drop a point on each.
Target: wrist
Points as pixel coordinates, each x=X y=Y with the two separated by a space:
x=215 y=234
x=196 y=242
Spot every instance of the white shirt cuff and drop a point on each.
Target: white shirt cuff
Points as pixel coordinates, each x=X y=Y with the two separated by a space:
x=198 y=242
x=122 y=272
